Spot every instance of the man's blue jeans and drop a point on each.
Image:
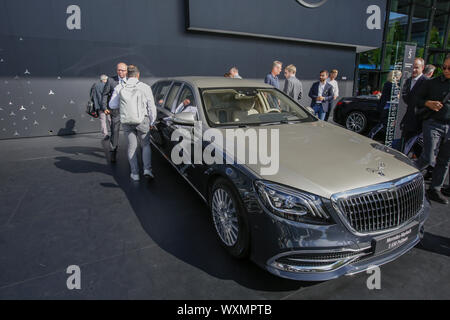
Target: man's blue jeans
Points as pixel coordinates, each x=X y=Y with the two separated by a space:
x=436 y=149
x=318 y=111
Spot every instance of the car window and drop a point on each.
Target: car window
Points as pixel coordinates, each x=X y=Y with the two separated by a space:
x=251 y=106
x=186 y=102
x=169 y=101
x=160 y=91
x=186 y=94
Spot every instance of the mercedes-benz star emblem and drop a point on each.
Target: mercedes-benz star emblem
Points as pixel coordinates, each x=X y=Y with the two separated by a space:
x=380 y=170
x=312 y=4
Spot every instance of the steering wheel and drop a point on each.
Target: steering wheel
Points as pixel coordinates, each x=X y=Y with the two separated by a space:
x=274 y=111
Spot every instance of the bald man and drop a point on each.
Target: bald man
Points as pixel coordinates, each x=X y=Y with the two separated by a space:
x=119 y=78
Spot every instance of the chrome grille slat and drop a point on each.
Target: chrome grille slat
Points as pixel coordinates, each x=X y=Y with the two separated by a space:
x=390 y=209
x=395 y=217
x=399 y=195
x=419 y=192
x=408 y=205
x=409 y=197
x=416 y=193
x=378 y=208
x=401 y=202
x=385 y=212
x=371 y=210
x=385 y=209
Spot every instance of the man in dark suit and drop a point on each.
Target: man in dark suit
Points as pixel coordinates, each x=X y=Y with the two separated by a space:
x=321 y=94
x=410 y=123
x=110 y=85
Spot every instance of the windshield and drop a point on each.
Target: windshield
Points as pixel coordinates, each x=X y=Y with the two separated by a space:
x=251 y=106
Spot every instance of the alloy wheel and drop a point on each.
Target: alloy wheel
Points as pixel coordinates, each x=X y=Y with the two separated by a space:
x=356 y=122
x=225 y=217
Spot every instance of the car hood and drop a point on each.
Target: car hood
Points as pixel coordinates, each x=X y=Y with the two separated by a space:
x=325 y=159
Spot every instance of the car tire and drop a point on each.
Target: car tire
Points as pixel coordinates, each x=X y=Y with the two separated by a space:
x=356 y=121
x=229 y=219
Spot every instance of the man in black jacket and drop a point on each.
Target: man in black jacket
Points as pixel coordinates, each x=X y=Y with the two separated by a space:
x=411 y=125
x=434 y=106
x=111 y=84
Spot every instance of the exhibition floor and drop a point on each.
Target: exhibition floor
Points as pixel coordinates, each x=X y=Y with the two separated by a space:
x=63 y=204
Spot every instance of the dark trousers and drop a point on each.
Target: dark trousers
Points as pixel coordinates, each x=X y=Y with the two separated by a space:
x=436 y=149
x=407 y=136
x=380 y=126
x=115 y=129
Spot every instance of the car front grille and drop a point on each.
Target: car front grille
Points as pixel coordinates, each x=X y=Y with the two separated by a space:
x=383 y=209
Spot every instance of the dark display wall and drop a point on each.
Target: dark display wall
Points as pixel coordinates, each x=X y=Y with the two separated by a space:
x=49 y=58
x=347 y=23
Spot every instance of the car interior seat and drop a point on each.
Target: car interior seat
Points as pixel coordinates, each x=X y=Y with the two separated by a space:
x=246 y=109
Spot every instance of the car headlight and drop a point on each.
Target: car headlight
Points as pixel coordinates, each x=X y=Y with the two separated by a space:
x=292 y=204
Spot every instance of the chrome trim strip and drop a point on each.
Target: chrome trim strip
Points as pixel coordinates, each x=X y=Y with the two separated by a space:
x=311 y=269
x=325 y=260
x=339 y=263
x=391 y=186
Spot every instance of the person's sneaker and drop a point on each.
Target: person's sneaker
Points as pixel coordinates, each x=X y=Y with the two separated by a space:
x=148 y=174
x=437 y=196
x=134 y=177
x=113 y=155
x=446 y=191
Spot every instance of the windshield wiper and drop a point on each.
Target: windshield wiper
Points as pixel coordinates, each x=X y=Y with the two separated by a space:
x=273 y=123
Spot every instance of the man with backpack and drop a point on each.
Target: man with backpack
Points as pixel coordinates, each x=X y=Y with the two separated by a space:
x=137 y=114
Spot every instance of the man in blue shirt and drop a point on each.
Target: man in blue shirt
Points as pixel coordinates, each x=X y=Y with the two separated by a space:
x=272 y=77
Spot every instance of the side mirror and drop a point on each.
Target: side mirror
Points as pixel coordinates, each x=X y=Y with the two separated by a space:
x=184 y=118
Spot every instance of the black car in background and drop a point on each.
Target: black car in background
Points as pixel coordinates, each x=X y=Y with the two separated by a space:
x=358 y=114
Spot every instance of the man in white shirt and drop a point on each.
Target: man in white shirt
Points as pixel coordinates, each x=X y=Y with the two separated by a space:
x=332 y=80
x=142 y=130
x=111 y=83
x=234 y=71
x=186 y=106
x=411 y=126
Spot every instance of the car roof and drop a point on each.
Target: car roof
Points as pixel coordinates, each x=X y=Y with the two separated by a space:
x=219 y=82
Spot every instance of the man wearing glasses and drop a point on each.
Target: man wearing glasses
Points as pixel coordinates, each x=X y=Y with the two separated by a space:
x=434 y=100
x=119 y=79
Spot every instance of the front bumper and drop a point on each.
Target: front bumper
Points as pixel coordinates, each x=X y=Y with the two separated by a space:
x=318 y=253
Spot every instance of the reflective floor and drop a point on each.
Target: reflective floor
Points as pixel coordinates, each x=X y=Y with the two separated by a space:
x=62 y=204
